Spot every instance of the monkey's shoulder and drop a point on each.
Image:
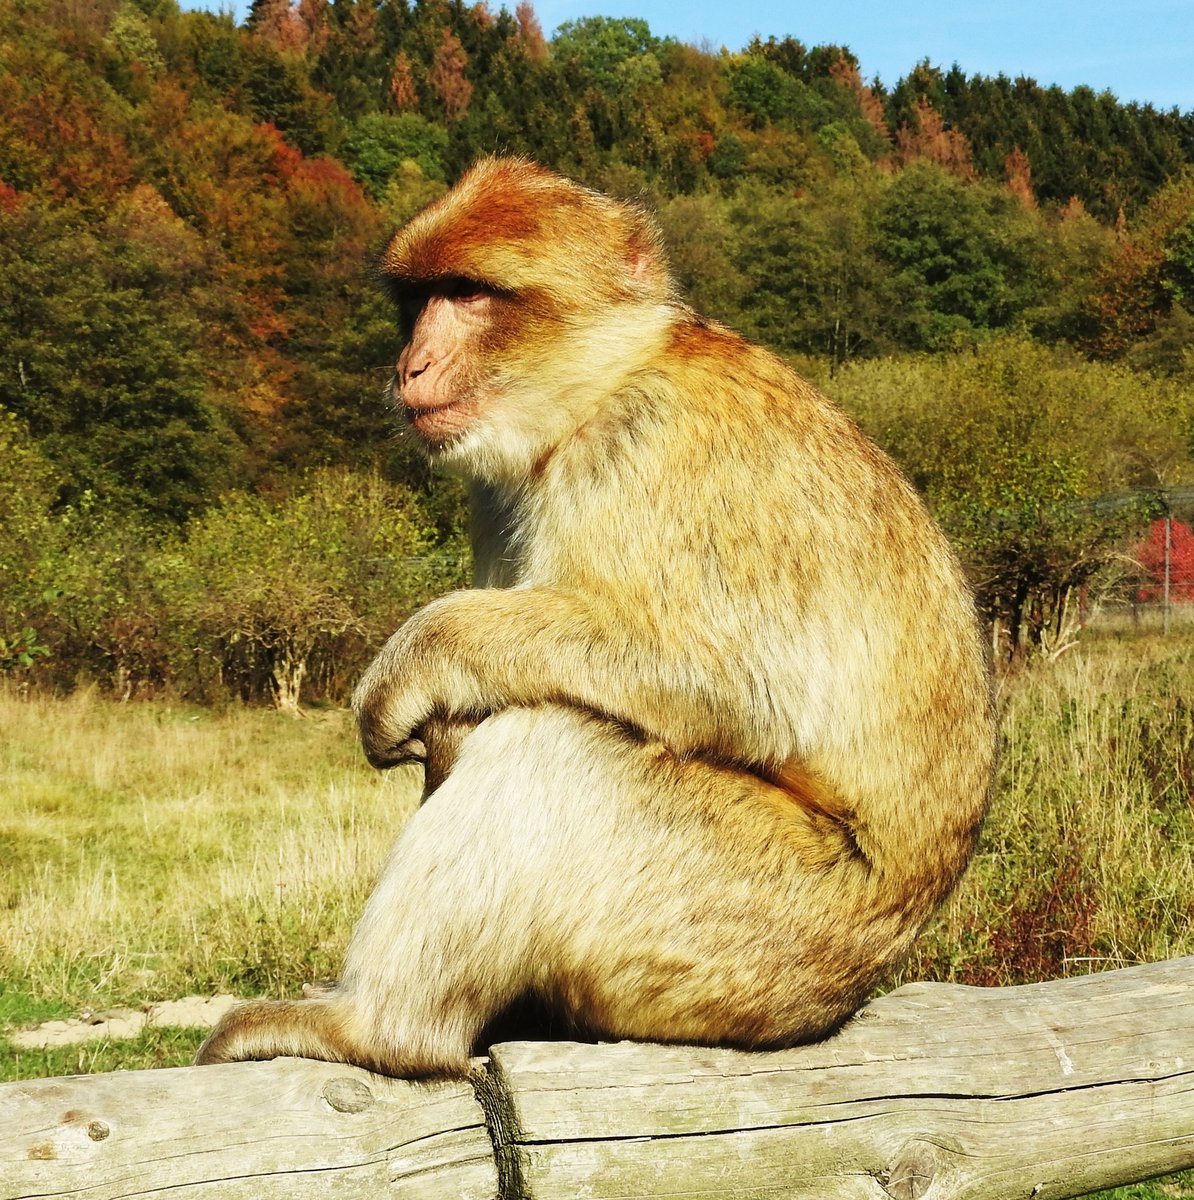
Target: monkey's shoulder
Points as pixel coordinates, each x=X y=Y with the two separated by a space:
x=712 y=366
x=712 y=398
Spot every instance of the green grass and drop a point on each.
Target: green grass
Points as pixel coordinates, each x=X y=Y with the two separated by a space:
x=154 y=1047
x=1171 y=1187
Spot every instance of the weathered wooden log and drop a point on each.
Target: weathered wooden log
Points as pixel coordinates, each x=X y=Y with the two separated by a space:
x=933 y=1091
x=281 y=1130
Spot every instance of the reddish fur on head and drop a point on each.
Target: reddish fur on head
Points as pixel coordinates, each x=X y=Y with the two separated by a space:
x=517 y=227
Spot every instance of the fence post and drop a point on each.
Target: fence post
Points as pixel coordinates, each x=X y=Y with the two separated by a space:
x=1168 y=545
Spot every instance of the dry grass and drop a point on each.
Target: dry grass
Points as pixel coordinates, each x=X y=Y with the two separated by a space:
x=149 y=850
x=1087 y=860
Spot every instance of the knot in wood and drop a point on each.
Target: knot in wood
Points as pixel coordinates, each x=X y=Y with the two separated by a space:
x=97 y=1130
x=347 y=1095
x=912 y=1172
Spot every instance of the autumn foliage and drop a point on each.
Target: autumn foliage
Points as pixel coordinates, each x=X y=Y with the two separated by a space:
x=1153 y=555
x=189 y=207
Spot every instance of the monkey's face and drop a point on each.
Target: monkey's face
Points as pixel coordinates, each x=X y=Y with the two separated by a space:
x=438 y=383
x=491 y=381
x=488 y=380
x=525 y=301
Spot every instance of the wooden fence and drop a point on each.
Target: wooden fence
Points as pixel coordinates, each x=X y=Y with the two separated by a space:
x=934 y=1091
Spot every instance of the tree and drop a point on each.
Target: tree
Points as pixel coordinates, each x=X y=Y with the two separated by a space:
x=379 y=144
x=610 y=50
x=447 y=77
x=110 y=619
x=1018 y=172
x=845 y=72
x=403 y=91
x=769 y=94
x=278 y=89
x=963 y=256
x=1173 y=545
x=1076 y=248
x=280 y=24
x=408 y=191
x=1151 y=271
x=817 y=284
x=64 y=131
x=925 y=136
x=102 y=334
x=268 y=583
x=131 y=34
x=530 y=32
x=702 y=238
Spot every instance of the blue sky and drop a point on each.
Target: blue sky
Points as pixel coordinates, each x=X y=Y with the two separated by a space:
x=1140 y=49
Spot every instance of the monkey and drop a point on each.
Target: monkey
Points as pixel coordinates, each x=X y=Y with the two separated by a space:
x=711 y=735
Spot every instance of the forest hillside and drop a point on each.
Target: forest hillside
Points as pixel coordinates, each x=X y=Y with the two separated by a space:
x=201 y=487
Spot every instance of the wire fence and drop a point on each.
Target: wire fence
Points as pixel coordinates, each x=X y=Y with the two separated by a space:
x=1144 y=616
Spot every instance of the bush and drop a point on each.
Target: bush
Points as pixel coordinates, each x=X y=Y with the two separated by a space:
x=251 y=600
x=1010 y=445
x=267 y=585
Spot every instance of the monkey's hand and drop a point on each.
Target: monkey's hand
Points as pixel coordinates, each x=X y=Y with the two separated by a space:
x=413 y=682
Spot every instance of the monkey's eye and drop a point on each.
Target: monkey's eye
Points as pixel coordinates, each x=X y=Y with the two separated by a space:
x=409 y=307
x=411 y=297
x=465 y=291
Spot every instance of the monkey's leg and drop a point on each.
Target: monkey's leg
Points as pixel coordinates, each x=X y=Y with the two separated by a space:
x=643 y=896
x=443 y=944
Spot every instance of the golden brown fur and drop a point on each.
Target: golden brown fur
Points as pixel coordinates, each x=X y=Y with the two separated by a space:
x=712 y=736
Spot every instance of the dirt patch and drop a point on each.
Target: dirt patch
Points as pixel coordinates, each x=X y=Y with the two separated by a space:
x=192 y=1012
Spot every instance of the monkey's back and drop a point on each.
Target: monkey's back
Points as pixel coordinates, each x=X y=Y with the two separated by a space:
x=799 y=583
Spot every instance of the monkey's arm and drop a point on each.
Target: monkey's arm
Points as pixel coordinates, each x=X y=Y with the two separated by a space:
x=476 y=652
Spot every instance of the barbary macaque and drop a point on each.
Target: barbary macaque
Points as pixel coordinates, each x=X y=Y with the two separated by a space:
x=712 y=735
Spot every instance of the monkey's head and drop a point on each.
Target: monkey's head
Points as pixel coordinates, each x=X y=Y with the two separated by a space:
x=525 y=300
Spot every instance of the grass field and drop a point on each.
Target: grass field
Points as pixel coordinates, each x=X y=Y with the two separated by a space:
x=153 y=851
x=1087 y=858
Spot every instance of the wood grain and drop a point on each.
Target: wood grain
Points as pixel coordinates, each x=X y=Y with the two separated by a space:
x=934 y=1091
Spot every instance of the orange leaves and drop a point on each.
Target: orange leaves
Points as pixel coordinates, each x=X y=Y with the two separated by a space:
x=1131 y=290
x=329 y=217
x=284 y=159
x=282 y=25
x=530 y=32
x=402 y=83
x=447 y=77
x=1017 y=170
x=930 y=139
x=60 y=131
x=10 y=198
x=844 y=71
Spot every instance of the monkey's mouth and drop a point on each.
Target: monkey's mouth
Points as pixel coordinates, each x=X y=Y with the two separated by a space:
x=439 y=424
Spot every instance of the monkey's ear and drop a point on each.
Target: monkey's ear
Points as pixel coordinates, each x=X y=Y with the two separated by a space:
x=644 y=261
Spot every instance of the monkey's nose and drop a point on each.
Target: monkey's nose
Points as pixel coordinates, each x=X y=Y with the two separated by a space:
x=409 y=372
